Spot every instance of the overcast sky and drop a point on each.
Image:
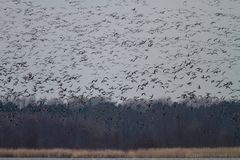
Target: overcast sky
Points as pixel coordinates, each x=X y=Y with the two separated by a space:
x=120 y=48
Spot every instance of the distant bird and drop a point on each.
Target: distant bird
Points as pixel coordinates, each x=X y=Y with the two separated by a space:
x=199 y=87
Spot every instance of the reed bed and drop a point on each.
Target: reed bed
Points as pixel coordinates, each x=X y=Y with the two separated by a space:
x=140 y=153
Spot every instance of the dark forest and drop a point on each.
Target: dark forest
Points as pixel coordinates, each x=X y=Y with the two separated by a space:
x=101 y=124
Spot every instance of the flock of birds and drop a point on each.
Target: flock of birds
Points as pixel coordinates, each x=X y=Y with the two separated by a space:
x=120 y=49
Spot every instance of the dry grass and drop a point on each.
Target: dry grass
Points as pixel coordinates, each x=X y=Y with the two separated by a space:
x=141 y=153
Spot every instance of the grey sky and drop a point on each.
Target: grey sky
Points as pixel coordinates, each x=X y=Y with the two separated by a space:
x=133 y=48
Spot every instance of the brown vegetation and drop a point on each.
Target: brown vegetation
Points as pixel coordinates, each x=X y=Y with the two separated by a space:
x=140 y=153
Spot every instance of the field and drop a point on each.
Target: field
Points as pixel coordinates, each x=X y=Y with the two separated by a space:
x=141 y=153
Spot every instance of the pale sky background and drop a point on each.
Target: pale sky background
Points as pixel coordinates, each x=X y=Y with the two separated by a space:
x=120 y=48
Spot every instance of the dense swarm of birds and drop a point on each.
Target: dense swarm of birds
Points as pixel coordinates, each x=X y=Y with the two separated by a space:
x=120 y=49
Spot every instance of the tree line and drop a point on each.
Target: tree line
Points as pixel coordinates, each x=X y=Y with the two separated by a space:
x=101 y=124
